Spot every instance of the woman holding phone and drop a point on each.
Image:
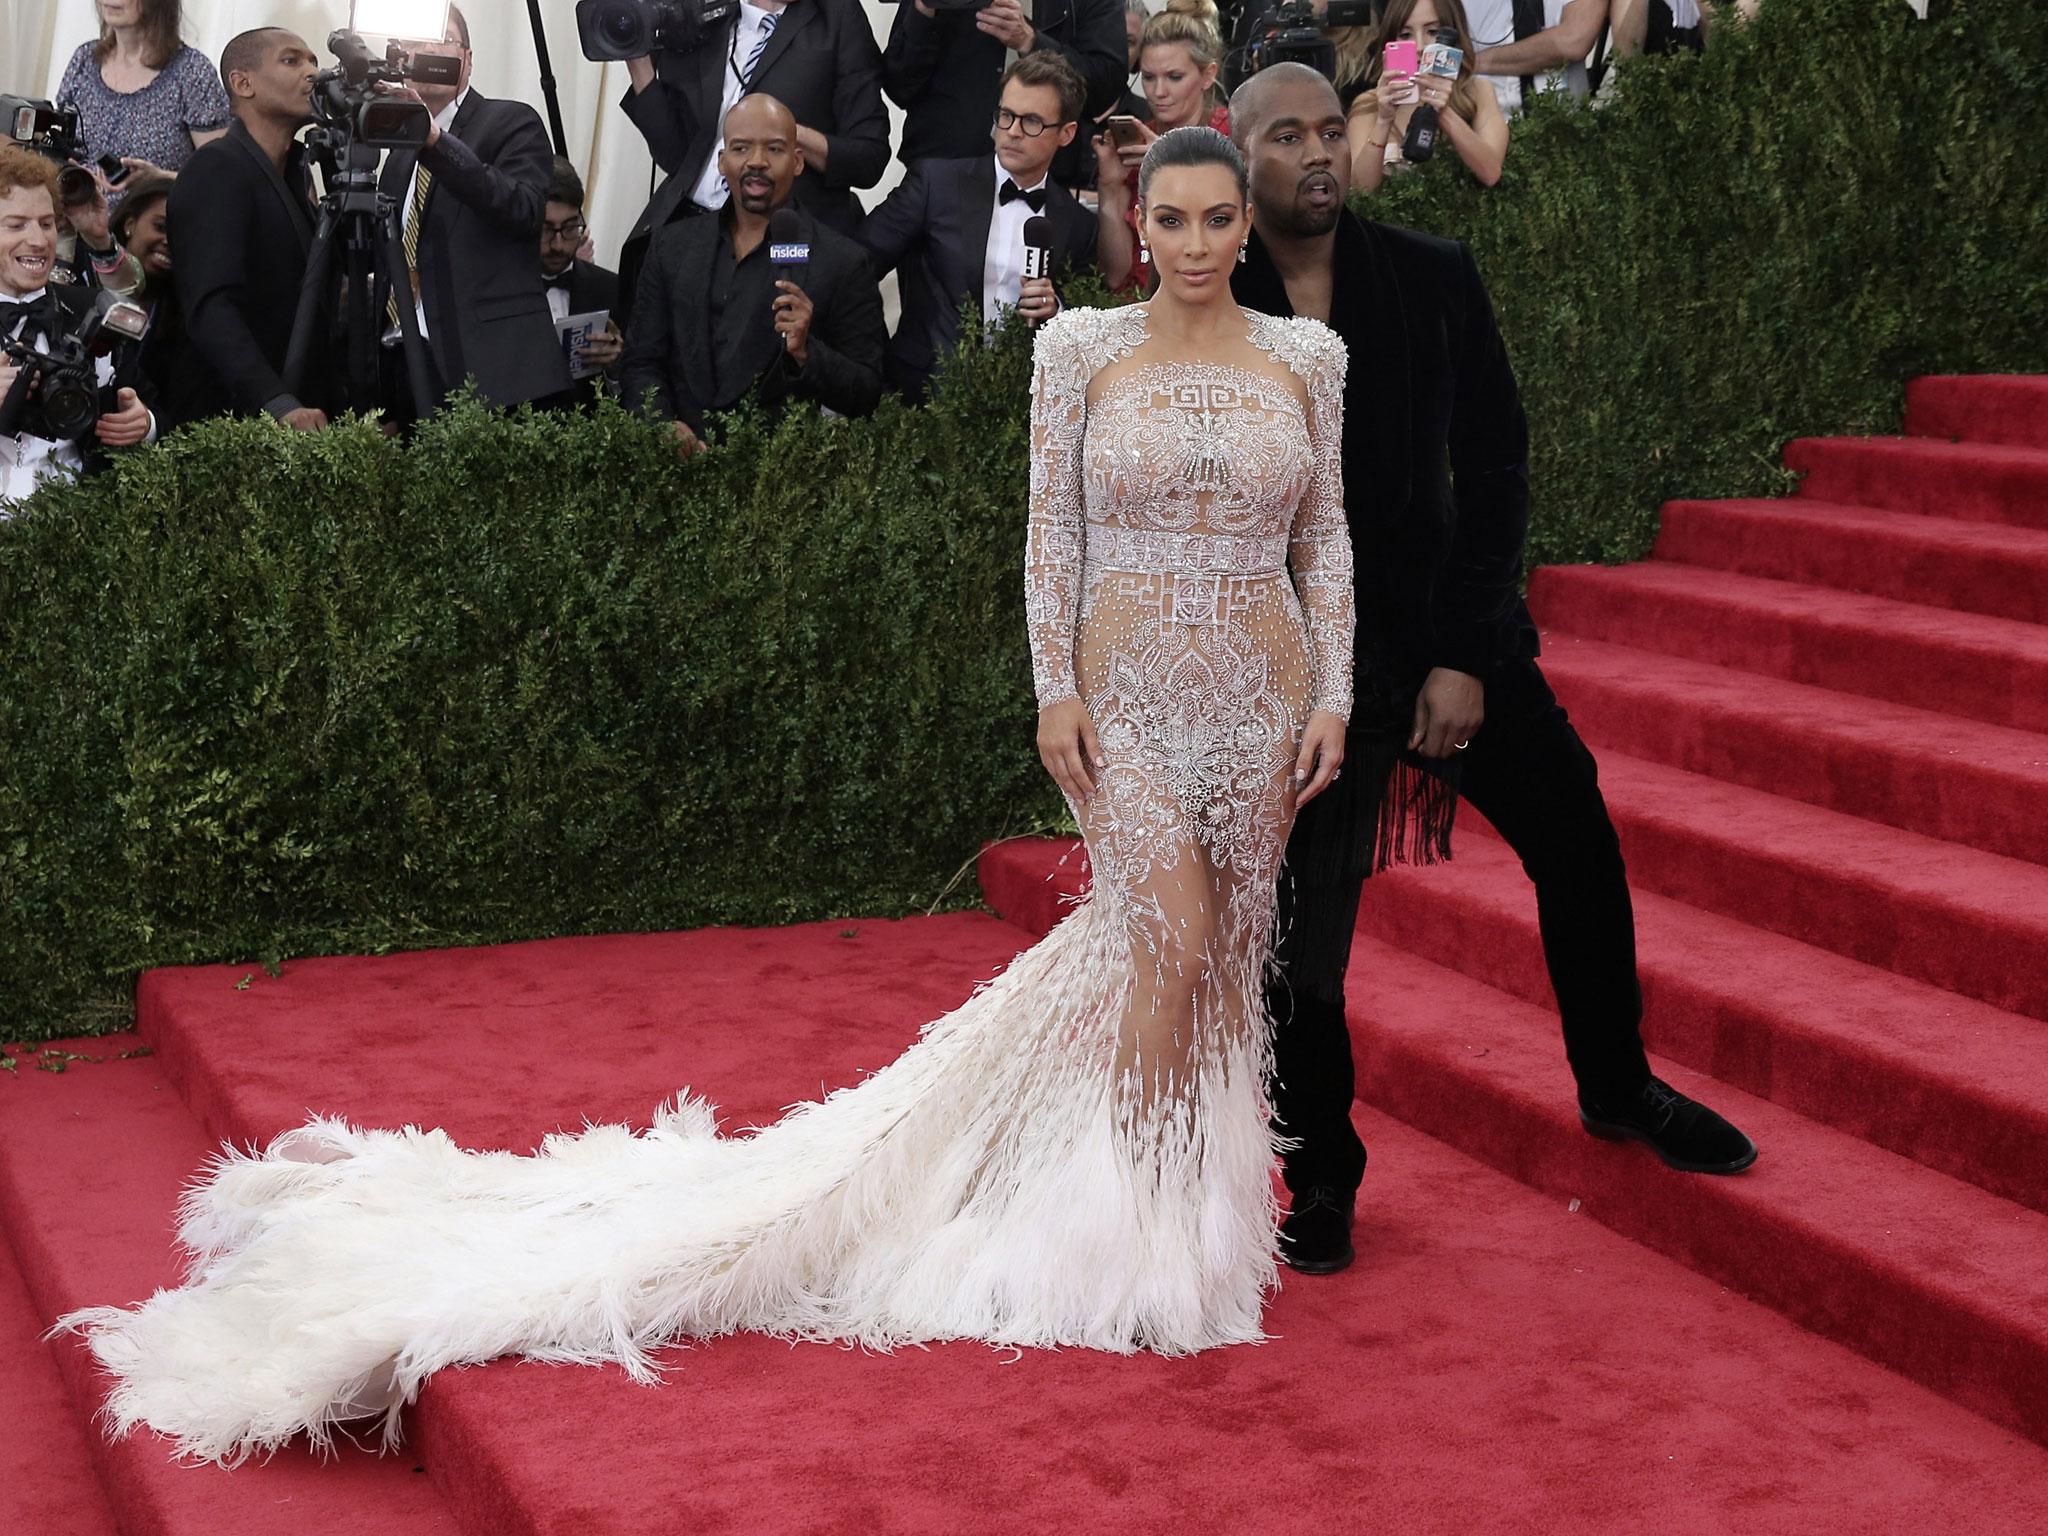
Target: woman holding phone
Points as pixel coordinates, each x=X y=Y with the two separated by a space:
x=1469 y=118
x=1180 y=51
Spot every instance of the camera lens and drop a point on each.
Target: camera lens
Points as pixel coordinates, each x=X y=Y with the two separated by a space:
x=75 y=186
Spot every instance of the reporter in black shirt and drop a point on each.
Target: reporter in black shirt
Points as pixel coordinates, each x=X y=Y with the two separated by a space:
x=711 y=320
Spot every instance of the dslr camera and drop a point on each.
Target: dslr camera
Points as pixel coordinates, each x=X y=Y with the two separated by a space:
x=1292 y=33
x=68 y=399
x=347 y=103
x=632 y=29
x=52 y=132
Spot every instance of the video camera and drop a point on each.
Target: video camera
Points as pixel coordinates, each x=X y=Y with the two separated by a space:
x=69 y=399
x=52 y=132
x=348 y=105
x=632 y=29
x=1292 y=33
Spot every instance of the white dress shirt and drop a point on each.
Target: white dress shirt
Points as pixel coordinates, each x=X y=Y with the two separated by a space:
x=711 y=191
x=442 y=120
x=25 y=462
x=1493 y=26
x=1002 y=272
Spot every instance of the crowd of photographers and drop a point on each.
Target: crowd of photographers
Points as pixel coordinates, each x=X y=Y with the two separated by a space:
x=362 y=236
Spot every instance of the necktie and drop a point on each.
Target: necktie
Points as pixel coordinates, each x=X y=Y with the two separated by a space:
x=415 y=213
x=1034 y=199
x=746 y=84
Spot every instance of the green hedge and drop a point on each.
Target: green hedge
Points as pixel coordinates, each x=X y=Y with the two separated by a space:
x=265 y=695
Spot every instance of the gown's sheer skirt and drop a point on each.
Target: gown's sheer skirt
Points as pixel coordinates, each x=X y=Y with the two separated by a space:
x=1078 y=1155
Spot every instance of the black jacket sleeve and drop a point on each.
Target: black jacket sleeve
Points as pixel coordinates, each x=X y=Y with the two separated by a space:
x=916 y=44
x=898 y=224
x=858 y=148
x=843 y=368
x=1097 y=49
x=1489 y=453
x=662 y=114
x=645 y=363
x=512 y=190
x=208 y=213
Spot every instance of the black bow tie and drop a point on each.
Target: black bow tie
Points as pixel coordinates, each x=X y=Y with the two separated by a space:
x=559 y=280
x=1034 y=199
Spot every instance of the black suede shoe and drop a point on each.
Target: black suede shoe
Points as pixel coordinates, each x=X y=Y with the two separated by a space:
x=1684 y=1132
x=1315 y=1238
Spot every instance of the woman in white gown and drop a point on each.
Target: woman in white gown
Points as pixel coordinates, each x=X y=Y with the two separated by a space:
x=1078 y=1155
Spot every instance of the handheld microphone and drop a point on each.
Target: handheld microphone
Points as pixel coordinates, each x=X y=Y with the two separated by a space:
x=1037 y=246
x=789 y=253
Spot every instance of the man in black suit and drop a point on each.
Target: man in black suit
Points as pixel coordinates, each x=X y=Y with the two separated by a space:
x=575 y=286
x=945 y=69
x=817 y=57
x=955 y=228
x=241 y=214
x=471 y=200
x=712 y=320
x=1449 y=699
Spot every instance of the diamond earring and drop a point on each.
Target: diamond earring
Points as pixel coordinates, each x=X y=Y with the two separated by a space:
x=1242 y=252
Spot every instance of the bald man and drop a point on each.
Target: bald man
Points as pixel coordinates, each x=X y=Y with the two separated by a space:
x=712 y=319
x=1450 y=701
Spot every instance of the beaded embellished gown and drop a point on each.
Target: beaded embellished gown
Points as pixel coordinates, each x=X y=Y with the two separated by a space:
x=1078 y=1155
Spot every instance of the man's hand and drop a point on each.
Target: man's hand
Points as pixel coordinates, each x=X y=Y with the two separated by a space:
x=1037 y=302
x=1321 y=755
x=1448 y=713
x=305 y=419
x=407 y=93
x=1004 y=21
x=688 y=443
x=604 y=347
x=817 y=149
x=1069 y=750
x=793 y=319
x=127 y=425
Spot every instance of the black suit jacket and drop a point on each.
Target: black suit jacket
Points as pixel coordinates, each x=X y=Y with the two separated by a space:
x=591 y=288
x=933 y=229
x=947 y=74
x=1436 y=456
x=668 y=349
x=821 y=62
x=479 y=273
x=243 y=231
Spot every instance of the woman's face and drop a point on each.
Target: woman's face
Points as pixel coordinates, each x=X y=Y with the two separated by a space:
x=1195 y=220
x=149 y=240
x=122 y=13
x=1174 y=86
x=1421 y=24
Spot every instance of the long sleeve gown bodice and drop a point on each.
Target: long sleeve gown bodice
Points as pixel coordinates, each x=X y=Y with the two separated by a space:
x=1078 y=1155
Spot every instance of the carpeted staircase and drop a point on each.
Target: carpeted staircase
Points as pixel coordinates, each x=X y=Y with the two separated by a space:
x=1820 y=729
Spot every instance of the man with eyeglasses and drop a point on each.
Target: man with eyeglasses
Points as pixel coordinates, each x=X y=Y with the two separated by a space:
x=954 y=229
x=945 y=65
x=576 y=286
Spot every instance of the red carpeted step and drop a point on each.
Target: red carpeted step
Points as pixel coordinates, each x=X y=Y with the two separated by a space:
x=1931 y=1276
x=1951 y=1083
x=1958 y=918
x=1983 y=482
x=91 y=1162
x=1936 y=561
x=47 y=1485
x=1980 y=408
x=1994 y=670
x=1486 y=1348
x=1947 y=777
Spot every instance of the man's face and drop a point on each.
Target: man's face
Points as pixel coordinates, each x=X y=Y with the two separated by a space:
x=561 y=231
x=1025 y=155
x=760 y=160
x=447 y=45
x=1300 y=160
x=281 y=87
x=28 y=239
x=1134 y=28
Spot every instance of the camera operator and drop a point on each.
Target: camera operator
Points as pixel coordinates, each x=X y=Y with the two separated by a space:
x=956 y=228
x=242 y=214
x=816 y=57
x=472 y=201
x=944 y=67
x=1468 y=115
x=35 y=312
x=712 y=319
x=576 y=286
x=1528 y=46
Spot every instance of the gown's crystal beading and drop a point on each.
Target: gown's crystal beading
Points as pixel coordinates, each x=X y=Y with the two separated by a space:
x=1077 y=1155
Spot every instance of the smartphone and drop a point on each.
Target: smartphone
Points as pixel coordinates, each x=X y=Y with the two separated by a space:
x=113 y=168
x=1123 y=130
x=1400 y=59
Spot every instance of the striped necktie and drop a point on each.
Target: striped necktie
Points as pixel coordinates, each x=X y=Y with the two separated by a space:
x=754 y=53
x=415 y=214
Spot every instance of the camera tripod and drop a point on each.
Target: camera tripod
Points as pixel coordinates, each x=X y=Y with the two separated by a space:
x=366 y=225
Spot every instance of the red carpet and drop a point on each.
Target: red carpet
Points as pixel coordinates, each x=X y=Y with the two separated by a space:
x=1841 y=861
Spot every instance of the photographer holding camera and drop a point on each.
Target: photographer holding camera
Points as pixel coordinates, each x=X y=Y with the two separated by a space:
x=53 y=423
x=816 y=57
x=242 y=214
x=945 y=60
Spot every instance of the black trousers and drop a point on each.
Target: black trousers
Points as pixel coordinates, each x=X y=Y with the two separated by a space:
x=1529 y=774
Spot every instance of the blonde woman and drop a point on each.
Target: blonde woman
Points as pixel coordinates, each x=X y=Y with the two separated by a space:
x=1180 y=52
x=1470 y=118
